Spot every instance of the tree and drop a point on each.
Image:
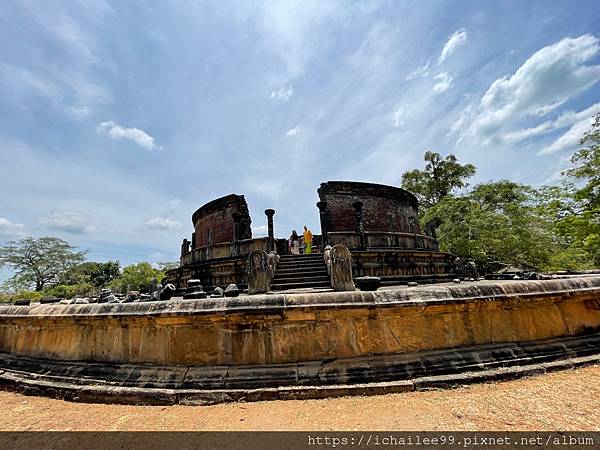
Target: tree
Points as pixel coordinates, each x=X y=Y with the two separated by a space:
x=503 y=223
x=582 y=225
x=39 y=261
x=94 y=273
x=438 y=180
x=137 y=277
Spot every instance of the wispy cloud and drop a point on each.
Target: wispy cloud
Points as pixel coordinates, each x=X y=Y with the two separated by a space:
x=444 y=82
x=293 y=132
x=458 y=38
x=398 y=116
x=69 y=222
x=570 y=139
x=566 y=119
x=549 y=78
x=78 y=112
x=283 y=94
x=21 y=83
x=117 y=132
x=259 y=231
x=9 y=230
x=162 y=223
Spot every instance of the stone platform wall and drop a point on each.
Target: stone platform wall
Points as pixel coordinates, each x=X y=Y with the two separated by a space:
x=277 y=329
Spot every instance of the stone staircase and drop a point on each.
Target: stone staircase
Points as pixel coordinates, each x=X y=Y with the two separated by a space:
x=300 y=271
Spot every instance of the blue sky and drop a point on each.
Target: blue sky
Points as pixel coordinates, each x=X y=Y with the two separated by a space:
x=118 y=119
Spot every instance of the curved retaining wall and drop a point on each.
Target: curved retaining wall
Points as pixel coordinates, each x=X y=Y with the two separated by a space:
x=277 y=329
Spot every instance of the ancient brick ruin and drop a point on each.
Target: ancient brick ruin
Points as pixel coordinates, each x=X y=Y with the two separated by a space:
x=378 y=223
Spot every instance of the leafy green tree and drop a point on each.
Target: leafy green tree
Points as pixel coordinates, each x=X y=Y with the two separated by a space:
x=440 y=178
x=38 y=262
x=137 y=277
x=500 y=223
x=582 y=225
x=93 y=273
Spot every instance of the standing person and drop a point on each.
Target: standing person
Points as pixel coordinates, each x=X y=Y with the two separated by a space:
x=294 y=243
x=307 y=240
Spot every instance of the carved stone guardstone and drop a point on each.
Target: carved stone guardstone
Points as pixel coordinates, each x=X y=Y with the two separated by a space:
x=341 y=268
x=273 y=259
x=259 y=272
x=327 y=258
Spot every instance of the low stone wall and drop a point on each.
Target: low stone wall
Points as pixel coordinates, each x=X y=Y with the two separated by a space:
x=288 y=328
x=396 y=266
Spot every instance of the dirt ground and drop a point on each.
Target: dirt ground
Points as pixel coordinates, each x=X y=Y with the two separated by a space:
x=567 y=400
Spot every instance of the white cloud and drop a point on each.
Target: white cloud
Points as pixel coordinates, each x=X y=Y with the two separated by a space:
x=458 y=38
x=174 y=202
x=397 y=116
x=282 y=94
x=22 y=83
x=117 y=132
x=293 y=132
x=78 y=112
x=421 y=71
x=566 y=119
x=288 y=28
x=260 y=231
x=162 y=223
x=570 y=139
x=69 y=222
x=444 y=82
x=9 y=230
x=549 y=78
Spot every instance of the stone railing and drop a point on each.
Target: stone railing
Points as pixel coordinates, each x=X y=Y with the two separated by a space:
x=225 y=250
x=377 y=239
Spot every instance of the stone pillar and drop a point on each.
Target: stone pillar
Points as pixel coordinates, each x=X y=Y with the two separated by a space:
x=185 y=247
x=357 y=205
x=271 y=244
x=236 y=232
x=341 y=268
x=324 y=226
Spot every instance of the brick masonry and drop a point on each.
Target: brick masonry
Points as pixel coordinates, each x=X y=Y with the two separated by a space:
x=214 y=223
x=385 y=208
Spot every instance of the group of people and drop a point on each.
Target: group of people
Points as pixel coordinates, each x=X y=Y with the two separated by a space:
x=294 y=242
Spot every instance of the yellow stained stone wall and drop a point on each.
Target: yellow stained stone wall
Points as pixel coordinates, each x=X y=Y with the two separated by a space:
x=304 y=328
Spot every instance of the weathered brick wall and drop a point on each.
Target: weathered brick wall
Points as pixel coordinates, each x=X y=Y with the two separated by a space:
x=385 y=208
x=215 y=220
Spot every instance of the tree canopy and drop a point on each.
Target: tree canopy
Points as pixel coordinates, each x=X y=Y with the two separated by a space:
x=37 y=262
x=97 y=274
x=506 y=223
x=137 y=277
x=580 y=221
x=438 y=180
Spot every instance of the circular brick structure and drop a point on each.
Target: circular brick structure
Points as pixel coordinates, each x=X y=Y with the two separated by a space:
x=384 y=208
x=218 y=220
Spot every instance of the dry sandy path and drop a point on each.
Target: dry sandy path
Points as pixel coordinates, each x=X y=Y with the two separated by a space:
x=567 y=400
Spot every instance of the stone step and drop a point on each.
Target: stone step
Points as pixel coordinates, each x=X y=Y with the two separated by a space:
x=301 y=261
x=310 y=284
x=288 y=269
x=280 y=275
x=305 y=280
x=312 y=255
x=290 y=265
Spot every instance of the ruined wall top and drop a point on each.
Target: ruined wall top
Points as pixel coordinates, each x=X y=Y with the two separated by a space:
x=218 y=220
x=382 y=208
